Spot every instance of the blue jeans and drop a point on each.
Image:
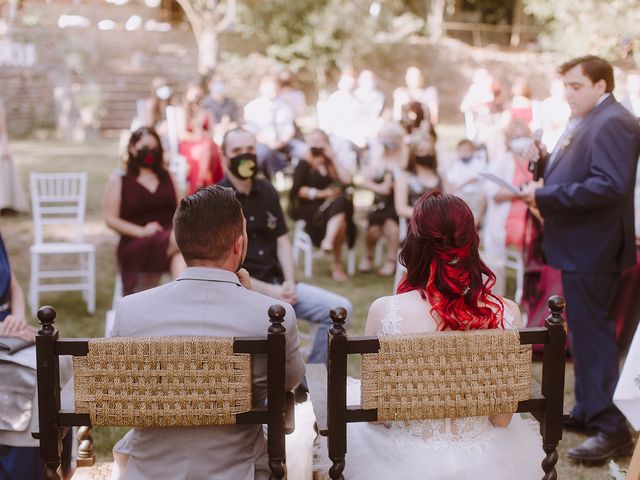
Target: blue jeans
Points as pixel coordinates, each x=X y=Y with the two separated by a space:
x=314 y=304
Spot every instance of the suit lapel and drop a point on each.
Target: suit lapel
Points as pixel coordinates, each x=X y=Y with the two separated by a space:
x=577 y=132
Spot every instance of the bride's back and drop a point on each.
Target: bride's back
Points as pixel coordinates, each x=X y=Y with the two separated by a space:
x=410 y=313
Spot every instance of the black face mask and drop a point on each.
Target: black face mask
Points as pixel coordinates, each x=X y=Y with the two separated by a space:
x=428 y=161
x=148 y=157
x=317 y=151
x=244 y=166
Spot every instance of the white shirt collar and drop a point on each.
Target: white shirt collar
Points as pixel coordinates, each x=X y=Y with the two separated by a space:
x=602 y=98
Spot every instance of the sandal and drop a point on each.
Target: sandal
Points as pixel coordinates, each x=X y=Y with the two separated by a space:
x=388 y=269
x=338 y=274
x=365 y=265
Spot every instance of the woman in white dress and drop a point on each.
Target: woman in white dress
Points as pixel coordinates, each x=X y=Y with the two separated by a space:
x=447 y=287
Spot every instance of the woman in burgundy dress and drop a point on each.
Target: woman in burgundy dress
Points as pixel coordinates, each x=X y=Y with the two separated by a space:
x=139 y=205
x=196 y=142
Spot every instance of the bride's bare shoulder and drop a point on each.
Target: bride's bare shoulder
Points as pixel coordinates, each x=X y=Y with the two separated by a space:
x=512 y=315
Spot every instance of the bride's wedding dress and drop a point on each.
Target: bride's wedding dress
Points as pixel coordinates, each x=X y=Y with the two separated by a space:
x=468 y=448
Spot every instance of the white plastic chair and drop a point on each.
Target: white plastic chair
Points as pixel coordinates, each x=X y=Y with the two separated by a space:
x=302 y=243
x=111 y=314
x=515 y=262
x=177 y=162
x=60 y=199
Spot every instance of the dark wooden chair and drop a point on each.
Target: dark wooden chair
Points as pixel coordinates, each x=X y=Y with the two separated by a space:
x=385 y=396
x=115 y=377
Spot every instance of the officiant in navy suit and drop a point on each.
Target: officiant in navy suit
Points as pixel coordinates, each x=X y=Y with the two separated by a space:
x=586 y=202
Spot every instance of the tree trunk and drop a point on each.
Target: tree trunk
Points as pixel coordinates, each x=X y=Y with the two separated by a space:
x=437 y=19
x=516 y=26
x=208 y=46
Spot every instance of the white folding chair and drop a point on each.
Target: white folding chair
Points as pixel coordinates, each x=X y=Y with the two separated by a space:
x=177 y=162
x=515 y=262
x=400 y=270
x=60 y=199
x=302 y=243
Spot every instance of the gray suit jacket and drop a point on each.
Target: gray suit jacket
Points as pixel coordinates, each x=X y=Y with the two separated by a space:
x=204 y=301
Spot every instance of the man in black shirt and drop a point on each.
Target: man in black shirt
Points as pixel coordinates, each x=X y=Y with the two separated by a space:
x=269 y=257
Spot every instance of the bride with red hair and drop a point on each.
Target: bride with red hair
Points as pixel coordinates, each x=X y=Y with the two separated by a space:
x=447 y=287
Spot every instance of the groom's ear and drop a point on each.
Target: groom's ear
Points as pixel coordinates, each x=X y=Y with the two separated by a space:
x=238 y=245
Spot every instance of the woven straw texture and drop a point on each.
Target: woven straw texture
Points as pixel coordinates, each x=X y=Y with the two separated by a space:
x=162 y=382
x=446 y=375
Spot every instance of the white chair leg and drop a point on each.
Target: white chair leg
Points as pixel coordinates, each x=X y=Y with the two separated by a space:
x=379 y=252
x=400 y=271
x=33 y=283
x=351 y=262
x=91 y=293
x=308 y=263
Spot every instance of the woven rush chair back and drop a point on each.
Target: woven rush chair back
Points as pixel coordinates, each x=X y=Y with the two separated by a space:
x=446 y=375
x=160 y=382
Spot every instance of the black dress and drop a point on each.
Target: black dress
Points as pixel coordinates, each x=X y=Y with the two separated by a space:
x=382 y=208
x=317 y=212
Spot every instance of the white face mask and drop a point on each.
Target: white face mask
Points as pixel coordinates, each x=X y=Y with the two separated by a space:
x=520 y=145
x=164 y=92
x=217 y=88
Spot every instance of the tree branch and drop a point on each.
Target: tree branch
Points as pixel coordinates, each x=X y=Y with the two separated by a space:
x=193 y=16
x=229 y=16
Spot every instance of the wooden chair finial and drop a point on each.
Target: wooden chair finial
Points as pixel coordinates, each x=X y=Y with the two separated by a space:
x=47 y=317
x=338 y=318
x=556 y=305
x=276 y=317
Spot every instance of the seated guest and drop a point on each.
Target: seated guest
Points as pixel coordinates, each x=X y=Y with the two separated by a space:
x=139 y=205
x=318 y=197
x=19 y=452
x=211 y=298
x=506 y=214
x=419 y=178
x=271 y=120
x=269 y=255
x=389 y=156
x=196 y=142
x=462 y=178
x=13 y=322
x=222 y=107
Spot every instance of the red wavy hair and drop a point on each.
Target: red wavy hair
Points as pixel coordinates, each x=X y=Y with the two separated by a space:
x=442 y=261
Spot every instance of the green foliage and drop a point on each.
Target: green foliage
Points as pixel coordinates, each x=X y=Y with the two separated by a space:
x=491 y=11
x=318 y=35
x=579 y=27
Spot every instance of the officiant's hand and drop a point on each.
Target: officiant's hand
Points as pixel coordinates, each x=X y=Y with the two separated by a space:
x=528 y=192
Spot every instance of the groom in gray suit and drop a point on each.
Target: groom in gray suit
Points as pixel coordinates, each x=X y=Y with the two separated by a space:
x=212 y=297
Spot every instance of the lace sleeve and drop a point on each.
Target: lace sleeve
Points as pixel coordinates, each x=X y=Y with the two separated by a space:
x=391 y=322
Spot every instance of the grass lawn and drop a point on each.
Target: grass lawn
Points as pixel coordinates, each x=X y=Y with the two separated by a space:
x=99 y=158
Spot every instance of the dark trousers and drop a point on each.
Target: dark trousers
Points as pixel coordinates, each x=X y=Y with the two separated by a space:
x=593 y=349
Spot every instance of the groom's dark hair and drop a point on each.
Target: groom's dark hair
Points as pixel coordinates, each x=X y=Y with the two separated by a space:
x=207 y=223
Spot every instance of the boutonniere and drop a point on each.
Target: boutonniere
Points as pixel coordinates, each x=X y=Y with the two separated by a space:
x=567 y=141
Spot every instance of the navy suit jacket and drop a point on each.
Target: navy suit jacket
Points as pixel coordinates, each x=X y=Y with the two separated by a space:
x=587 y=198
